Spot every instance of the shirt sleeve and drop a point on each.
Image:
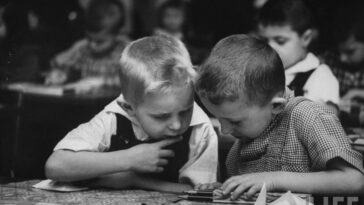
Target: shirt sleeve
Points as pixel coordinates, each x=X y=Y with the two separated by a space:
x=69 y=57
x=327 y=140
x=94 y=135
x=203 y=157
x=322 y=86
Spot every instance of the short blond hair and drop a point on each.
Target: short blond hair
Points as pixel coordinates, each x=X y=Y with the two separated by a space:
x=156 y=63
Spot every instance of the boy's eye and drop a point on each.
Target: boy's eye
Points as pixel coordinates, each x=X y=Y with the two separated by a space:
x=185 y=112
x=161 y=117
x=280 y=41
x=234 y=122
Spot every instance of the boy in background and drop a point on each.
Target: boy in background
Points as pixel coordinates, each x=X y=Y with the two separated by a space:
x=171 y=19
x=127 y=144
x=93 y=61
x=350 y=68
x=285 y=142
x=287 y=25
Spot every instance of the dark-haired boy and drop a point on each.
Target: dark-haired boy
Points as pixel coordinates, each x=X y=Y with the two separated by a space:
x=288 y=27
x=348 y=66
x=285 y=142
x=350 y=72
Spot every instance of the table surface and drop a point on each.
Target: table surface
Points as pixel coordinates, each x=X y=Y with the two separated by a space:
x=22 y=193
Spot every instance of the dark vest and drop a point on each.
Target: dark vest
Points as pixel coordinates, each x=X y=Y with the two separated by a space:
x=125 y=138
x=299 y=81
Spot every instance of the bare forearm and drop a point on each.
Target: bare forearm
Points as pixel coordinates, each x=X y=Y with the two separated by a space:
x=64 y=165
x=325 y=182
x=121 y=180
x=124 y=180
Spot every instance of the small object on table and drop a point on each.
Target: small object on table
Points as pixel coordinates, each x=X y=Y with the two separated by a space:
x=207 y=193
x=58 y=186
x=210 y=199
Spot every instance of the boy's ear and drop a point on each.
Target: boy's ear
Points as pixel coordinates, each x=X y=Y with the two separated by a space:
x=278 y=104
x=307 y=37
x=127 y=107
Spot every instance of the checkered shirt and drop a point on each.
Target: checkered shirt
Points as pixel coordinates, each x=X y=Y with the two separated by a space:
x=302 y=138
x=349 y=80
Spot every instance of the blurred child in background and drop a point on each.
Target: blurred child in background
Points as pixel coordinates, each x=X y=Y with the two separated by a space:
x=288 y=27
x=171 y=19
x=93 y=62
x=348 y=66
x=350 y=70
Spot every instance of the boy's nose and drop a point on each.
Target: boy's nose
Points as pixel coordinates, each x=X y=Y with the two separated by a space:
x=343 y=58
x=272 y=44
x=175 y=124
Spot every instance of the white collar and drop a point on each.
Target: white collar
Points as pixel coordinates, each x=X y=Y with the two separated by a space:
x=198 y=117
x=308 y=63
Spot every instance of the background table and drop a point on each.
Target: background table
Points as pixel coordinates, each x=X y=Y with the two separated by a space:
x=31 y=125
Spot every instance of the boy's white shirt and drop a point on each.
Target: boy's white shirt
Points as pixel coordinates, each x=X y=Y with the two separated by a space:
x=322 y=86
x=95 y=135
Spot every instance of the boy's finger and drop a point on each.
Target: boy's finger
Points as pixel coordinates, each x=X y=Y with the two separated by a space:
x=252 y=191
x=197 y=187
x=229 y=188
x=162 y=162
x=203 y=186
x=159 y=169
x=238 y=191
x=226 y=183
x=166 y=153
x=217 y=185
x=167 y=142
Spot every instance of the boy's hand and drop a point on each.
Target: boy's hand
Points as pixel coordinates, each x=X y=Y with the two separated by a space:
x=248 y=184
x=208 y=186
x=151 y=157
x=56 y=77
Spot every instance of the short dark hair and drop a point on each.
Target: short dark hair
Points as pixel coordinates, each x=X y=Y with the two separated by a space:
x=241 y=65
x=353 y=27
x=295 y=13
x=99 y=12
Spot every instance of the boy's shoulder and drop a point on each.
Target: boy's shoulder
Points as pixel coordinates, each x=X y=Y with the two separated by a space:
x=304 y=111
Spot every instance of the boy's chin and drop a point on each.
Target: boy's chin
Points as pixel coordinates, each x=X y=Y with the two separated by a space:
x=165 y=137
x=243 y=137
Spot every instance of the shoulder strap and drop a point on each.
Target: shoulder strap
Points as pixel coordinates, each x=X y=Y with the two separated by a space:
x=299 y=81
x=125 y=137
